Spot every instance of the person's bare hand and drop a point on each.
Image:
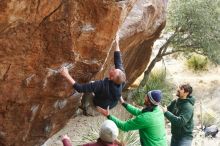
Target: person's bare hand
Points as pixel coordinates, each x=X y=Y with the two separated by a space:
x=64 y=71
x=164 y=108
x=122 y=100
x=104 y=112
x=65 y=137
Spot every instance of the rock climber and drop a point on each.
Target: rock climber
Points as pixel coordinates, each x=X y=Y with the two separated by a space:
x=107 y=92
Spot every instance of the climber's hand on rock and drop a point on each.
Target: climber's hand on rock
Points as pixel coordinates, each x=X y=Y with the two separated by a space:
x=104 y=112
x=117 y=42
x=64 y=71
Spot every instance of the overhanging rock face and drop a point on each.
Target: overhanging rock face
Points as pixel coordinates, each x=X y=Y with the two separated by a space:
x=138 y=32
x=37 y=37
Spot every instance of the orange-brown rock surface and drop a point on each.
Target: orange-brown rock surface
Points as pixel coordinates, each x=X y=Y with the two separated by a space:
x=39 y=36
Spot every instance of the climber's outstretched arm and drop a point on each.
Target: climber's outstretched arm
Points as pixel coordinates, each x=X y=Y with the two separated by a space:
x=117 y=48
x=117 y=55
x=95 y=86
x=65 y=73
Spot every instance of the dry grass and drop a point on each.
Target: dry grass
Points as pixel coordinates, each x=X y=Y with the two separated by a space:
x=130 y=138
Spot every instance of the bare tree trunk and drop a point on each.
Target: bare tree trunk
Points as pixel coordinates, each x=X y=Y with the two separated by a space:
x=158 y=58
x=149 y=69
x=162 y=52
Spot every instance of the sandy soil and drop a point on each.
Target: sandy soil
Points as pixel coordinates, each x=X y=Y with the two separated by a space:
x=206 y=89
x=81 y=126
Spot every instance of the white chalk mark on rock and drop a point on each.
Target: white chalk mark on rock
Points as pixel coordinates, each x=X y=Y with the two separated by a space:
x=51 y=71
x=60 y=104
x=34 y=110
x=28 y=80
x=88 y=28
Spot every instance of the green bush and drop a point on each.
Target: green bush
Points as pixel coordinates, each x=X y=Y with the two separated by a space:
x=157 y=81
x=209 y=117
x=138 y=96
x=197 y=63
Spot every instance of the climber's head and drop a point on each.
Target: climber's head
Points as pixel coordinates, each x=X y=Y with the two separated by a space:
x=117 y=76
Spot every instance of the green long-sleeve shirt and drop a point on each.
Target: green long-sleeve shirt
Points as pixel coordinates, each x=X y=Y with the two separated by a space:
x=151 y=125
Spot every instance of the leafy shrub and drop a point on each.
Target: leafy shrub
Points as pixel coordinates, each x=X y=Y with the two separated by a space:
x=197 y=63
x=209 y=117
x=138 y=96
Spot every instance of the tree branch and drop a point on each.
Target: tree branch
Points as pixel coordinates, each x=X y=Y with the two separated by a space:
x=183 y=50
x=173 y=51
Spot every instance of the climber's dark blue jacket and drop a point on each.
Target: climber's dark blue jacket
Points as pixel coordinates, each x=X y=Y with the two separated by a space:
x=107 y=93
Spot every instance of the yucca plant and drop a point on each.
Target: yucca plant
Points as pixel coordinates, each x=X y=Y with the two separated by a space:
x=209 y=117
x=93 y=133
x=130 y=138
x=197 y=63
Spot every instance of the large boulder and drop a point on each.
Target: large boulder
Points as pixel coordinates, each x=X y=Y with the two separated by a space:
x=38 y=37
x=138 y=32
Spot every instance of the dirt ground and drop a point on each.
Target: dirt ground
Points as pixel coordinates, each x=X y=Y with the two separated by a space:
x=80 y=126
x=206 y=87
